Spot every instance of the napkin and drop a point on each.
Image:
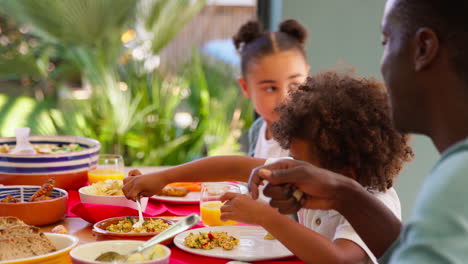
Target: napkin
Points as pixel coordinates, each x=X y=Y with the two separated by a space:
x=93 y=213
x=182 y=210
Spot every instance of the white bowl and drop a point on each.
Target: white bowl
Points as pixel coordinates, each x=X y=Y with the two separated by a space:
x=87 y=253
x=63 y=243
x=119 y=200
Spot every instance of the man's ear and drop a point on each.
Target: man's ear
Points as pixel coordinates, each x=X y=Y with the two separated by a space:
x=427 y=48
x=243 y=84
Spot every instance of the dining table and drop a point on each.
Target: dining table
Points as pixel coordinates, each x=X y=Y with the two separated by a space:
x=80 y=225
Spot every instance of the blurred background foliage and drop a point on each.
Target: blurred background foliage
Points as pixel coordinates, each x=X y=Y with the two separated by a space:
x=90 y=68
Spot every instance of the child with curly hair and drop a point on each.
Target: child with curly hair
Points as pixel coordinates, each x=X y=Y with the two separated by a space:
x=343 y=124
x=334 y=121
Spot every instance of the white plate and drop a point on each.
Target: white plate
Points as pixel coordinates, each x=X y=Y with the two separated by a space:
x=252 y=246
x=190 y=198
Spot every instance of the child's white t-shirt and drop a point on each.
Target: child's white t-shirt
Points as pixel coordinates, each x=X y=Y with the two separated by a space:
x=268 y=148
x=332 y=225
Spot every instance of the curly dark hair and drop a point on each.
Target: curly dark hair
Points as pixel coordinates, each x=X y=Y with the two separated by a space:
x=348 y=122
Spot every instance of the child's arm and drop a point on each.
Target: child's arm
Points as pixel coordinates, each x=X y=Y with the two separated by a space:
x=306 y=244
x=217 y=168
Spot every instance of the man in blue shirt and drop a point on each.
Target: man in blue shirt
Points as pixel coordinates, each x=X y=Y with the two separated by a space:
x=425 y=67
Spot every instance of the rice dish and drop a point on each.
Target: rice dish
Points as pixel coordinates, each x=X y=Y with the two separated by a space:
x=210 y=240
x=149 y=226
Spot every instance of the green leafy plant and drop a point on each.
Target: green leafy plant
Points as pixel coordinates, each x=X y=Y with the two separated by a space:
x=151 y=117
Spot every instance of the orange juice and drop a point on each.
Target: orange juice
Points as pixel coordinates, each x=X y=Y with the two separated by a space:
x=104 y=174
x=211 y=214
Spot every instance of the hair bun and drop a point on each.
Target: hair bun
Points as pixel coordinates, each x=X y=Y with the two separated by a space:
x=247 y=33
x=294 y=29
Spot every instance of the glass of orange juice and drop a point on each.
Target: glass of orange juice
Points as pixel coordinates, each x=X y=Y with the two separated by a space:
x=110 y=166
x=210 y=202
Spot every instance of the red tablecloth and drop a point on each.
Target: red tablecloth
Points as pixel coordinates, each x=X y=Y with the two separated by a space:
x=94 y=213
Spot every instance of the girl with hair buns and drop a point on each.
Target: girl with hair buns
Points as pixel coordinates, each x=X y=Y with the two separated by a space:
x=272 y=63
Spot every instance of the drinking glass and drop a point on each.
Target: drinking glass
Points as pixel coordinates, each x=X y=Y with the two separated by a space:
x=109 y=166
x=210 y=202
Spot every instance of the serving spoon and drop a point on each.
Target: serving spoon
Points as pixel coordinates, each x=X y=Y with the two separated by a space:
x=184 y=224
x=140 y=215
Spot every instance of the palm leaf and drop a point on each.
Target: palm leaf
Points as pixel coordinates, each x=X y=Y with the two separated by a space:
x=72 y=22
x=163 y=19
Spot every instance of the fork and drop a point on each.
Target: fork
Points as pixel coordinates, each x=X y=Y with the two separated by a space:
x=140 y=215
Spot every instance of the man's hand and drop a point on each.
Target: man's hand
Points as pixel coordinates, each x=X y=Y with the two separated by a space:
x=320 y=186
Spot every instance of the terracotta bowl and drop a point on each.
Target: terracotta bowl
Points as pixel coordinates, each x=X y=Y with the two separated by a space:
x=34 y=213
x=69 y=169
x=87 y=253
x=63 y=243
x=99 y=229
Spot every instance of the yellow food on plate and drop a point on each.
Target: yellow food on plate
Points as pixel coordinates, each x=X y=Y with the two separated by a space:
x=210 y=240
x=174 y=191
x=105 y=188
x=149 y=226
x=191 y=186
x=269 y=236
x=98 y=175
x=210 y=213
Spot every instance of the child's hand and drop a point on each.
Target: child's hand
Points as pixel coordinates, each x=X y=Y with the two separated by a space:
x=137 y=184
x=242 y=208
x=134 y=173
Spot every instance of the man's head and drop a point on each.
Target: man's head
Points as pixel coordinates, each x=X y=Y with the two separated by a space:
x=424 y=50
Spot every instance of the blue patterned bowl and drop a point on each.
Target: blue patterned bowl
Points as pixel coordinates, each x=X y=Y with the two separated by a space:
x=69 y=169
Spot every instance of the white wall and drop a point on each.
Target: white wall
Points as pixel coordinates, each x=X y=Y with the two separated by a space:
x=348 y=31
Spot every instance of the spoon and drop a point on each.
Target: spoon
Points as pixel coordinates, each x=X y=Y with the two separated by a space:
x=140 y=215
x=184 y=224
x=22 y=143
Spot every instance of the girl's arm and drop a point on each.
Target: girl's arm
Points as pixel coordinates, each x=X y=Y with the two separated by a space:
x=306 y=244
x=217 y=168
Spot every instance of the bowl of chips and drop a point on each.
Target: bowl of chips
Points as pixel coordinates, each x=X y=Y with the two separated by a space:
x=109 y=192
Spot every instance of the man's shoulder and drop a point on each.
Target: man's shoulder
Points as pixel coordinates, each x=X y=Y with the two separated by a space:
x=443 y=194
x=455 y=154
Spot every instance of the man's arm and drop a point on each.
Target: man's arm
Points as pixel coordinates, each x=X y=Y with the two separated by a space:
x=373 y=221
